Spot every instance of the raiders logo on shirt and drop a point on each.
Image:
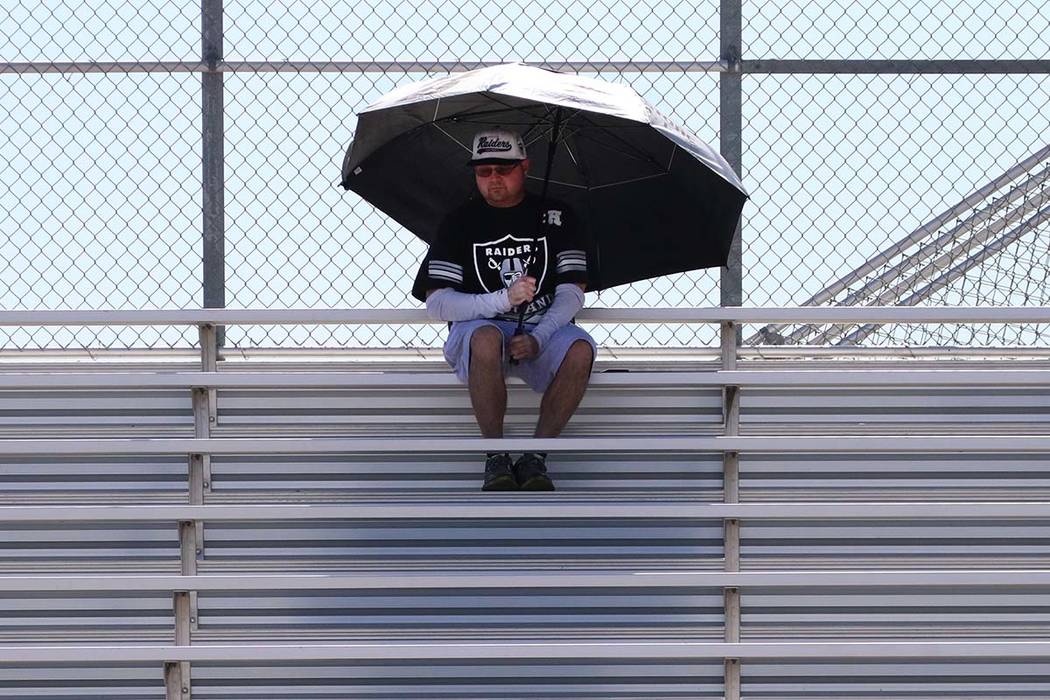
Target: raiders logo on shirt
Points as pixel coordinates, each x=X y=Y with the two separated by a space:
x=498 y=263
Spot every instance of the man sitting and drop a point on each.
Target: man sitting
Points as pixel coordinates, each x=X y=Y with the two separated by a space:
x=490 y=255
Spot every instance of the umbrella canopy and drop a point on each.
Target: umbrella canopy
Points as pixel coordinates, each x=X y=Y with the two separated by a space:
x=654 y=198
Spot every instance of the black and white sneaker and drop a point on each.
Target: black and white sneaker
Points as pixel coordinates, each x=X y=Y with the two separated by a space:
x=499 y=475
x=531 y=472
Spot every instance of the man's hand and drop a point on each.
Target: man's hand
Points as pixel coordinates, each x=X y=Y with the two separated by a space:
x=523 y=347
x=523 y=290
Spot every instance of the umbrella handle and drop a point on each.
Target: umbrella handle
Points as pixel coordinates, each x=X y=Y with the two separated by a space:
x=520 y=330
x=521 y=319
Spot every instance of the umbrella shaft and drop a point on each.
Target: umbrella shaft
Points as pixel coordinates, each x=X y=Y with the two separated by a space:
x=551 y=150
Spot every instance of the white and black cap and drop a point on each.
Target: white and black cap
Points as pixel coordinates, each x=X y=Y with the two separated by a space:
x=497 y=146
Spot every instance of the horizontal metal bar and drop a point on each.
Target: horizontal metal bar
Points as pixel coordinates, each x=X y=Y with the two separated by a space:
x=540 y=650
x=83 y=67
x=352 y=66
x=315 y=380
x=395 y=379
x=525 y=580
x=485 y=506
x=810 y=314
x=753 y=66
x=839 y=444
x=895 y=66
x=459 y=66
x=704 y=358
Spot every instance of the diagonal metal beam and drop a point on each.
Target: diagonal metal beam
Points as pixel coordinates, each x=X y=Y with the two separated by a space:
x=911 y=286
x=960 y=269
x=982 y=226
x=1038 y=179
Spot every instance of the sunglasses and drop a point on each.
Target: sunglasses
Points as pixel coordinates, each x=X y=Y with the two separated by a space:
x=489 y=170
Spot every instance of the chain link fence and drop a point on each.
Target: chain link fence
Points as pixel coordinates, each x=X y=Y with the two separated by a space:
x=871 y=136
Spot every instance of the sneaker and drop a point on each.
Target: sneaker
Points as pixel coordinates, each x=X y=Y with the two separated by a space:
x=531 y=472
x=498 y=474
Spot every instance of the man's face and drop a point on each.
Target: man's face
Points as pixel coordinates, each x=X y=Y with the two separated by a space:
x=502 y=185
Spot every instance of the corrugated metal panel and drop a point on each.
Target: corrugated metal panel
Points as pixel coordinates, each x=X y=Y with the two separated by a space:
x=894 y=411
x=372 y=545
x=510 y=613
x=88 y=480
x=857 y=544
x=87 y=681
x=134 y=413
x=331 y=477
x=482 y=680
x=445 y=410
x=27 y=618
x=858 y=614
x=89 y=547
x=899 y=680
x=947 y=477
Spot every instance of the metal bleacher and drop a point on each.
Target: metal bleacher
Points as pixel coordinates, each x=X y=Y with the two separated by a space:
x=749 y=523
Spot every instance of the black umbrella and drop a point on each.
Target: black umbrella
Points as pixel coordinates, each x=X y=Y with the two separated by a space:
x=655 y=199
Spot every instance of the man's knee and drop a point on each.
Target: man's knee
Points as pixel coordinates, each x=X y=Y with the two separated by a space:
x=486 y=345
x=579 y=358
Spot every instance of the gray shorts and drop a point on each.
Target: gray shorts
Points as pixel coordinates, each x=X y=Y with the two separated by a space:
x=537 y=372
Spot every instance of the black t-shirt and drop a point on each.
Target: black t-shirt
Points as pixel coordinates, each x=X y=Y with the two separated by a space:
x=480 y=248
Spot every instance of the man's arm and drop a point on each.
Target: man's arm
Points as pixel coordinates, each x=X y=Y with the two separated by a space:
x=446 y=304
x=570 y=258
x=568 y=300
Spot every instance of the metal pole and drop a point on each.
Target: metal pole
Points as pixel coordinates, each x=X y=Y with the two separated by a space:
x=730 y=85
x=730 y=88
x=212 y=156
x=761 y=67
x=214 y=283
x=182 y=638
x=173 y=681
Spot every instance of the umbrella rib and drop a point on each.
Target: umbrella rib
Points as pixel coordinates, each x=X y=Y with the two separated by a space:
x=577 y=160
x=559 y=182
x=568 y=149
x=464 y=118
x=565 y=128
x=626 y=182
x=535 y=125
x=629 y=150
x=504 y=108
x=453 y=138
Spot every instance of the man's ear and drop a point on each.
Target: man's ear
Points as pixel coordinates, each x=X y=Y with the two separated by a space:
x=525 y=166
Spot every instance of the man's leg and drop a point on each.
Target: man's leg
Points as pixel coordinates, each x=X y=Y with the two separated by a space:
x=488 y=396
x=566 y=390
x=488 y=389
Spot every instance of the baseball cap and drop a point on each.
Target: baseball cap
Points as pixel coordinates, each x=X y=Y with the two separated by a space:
x=497 y=146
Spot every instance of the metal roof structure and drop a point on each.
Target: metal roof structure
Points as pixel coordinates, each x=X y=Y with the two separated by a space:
x=984 y=250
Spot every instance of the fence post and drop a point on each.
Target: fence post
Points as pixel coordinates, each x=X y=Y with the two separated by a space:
x=730 y=135
x=730 y=90
x=212 y=157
